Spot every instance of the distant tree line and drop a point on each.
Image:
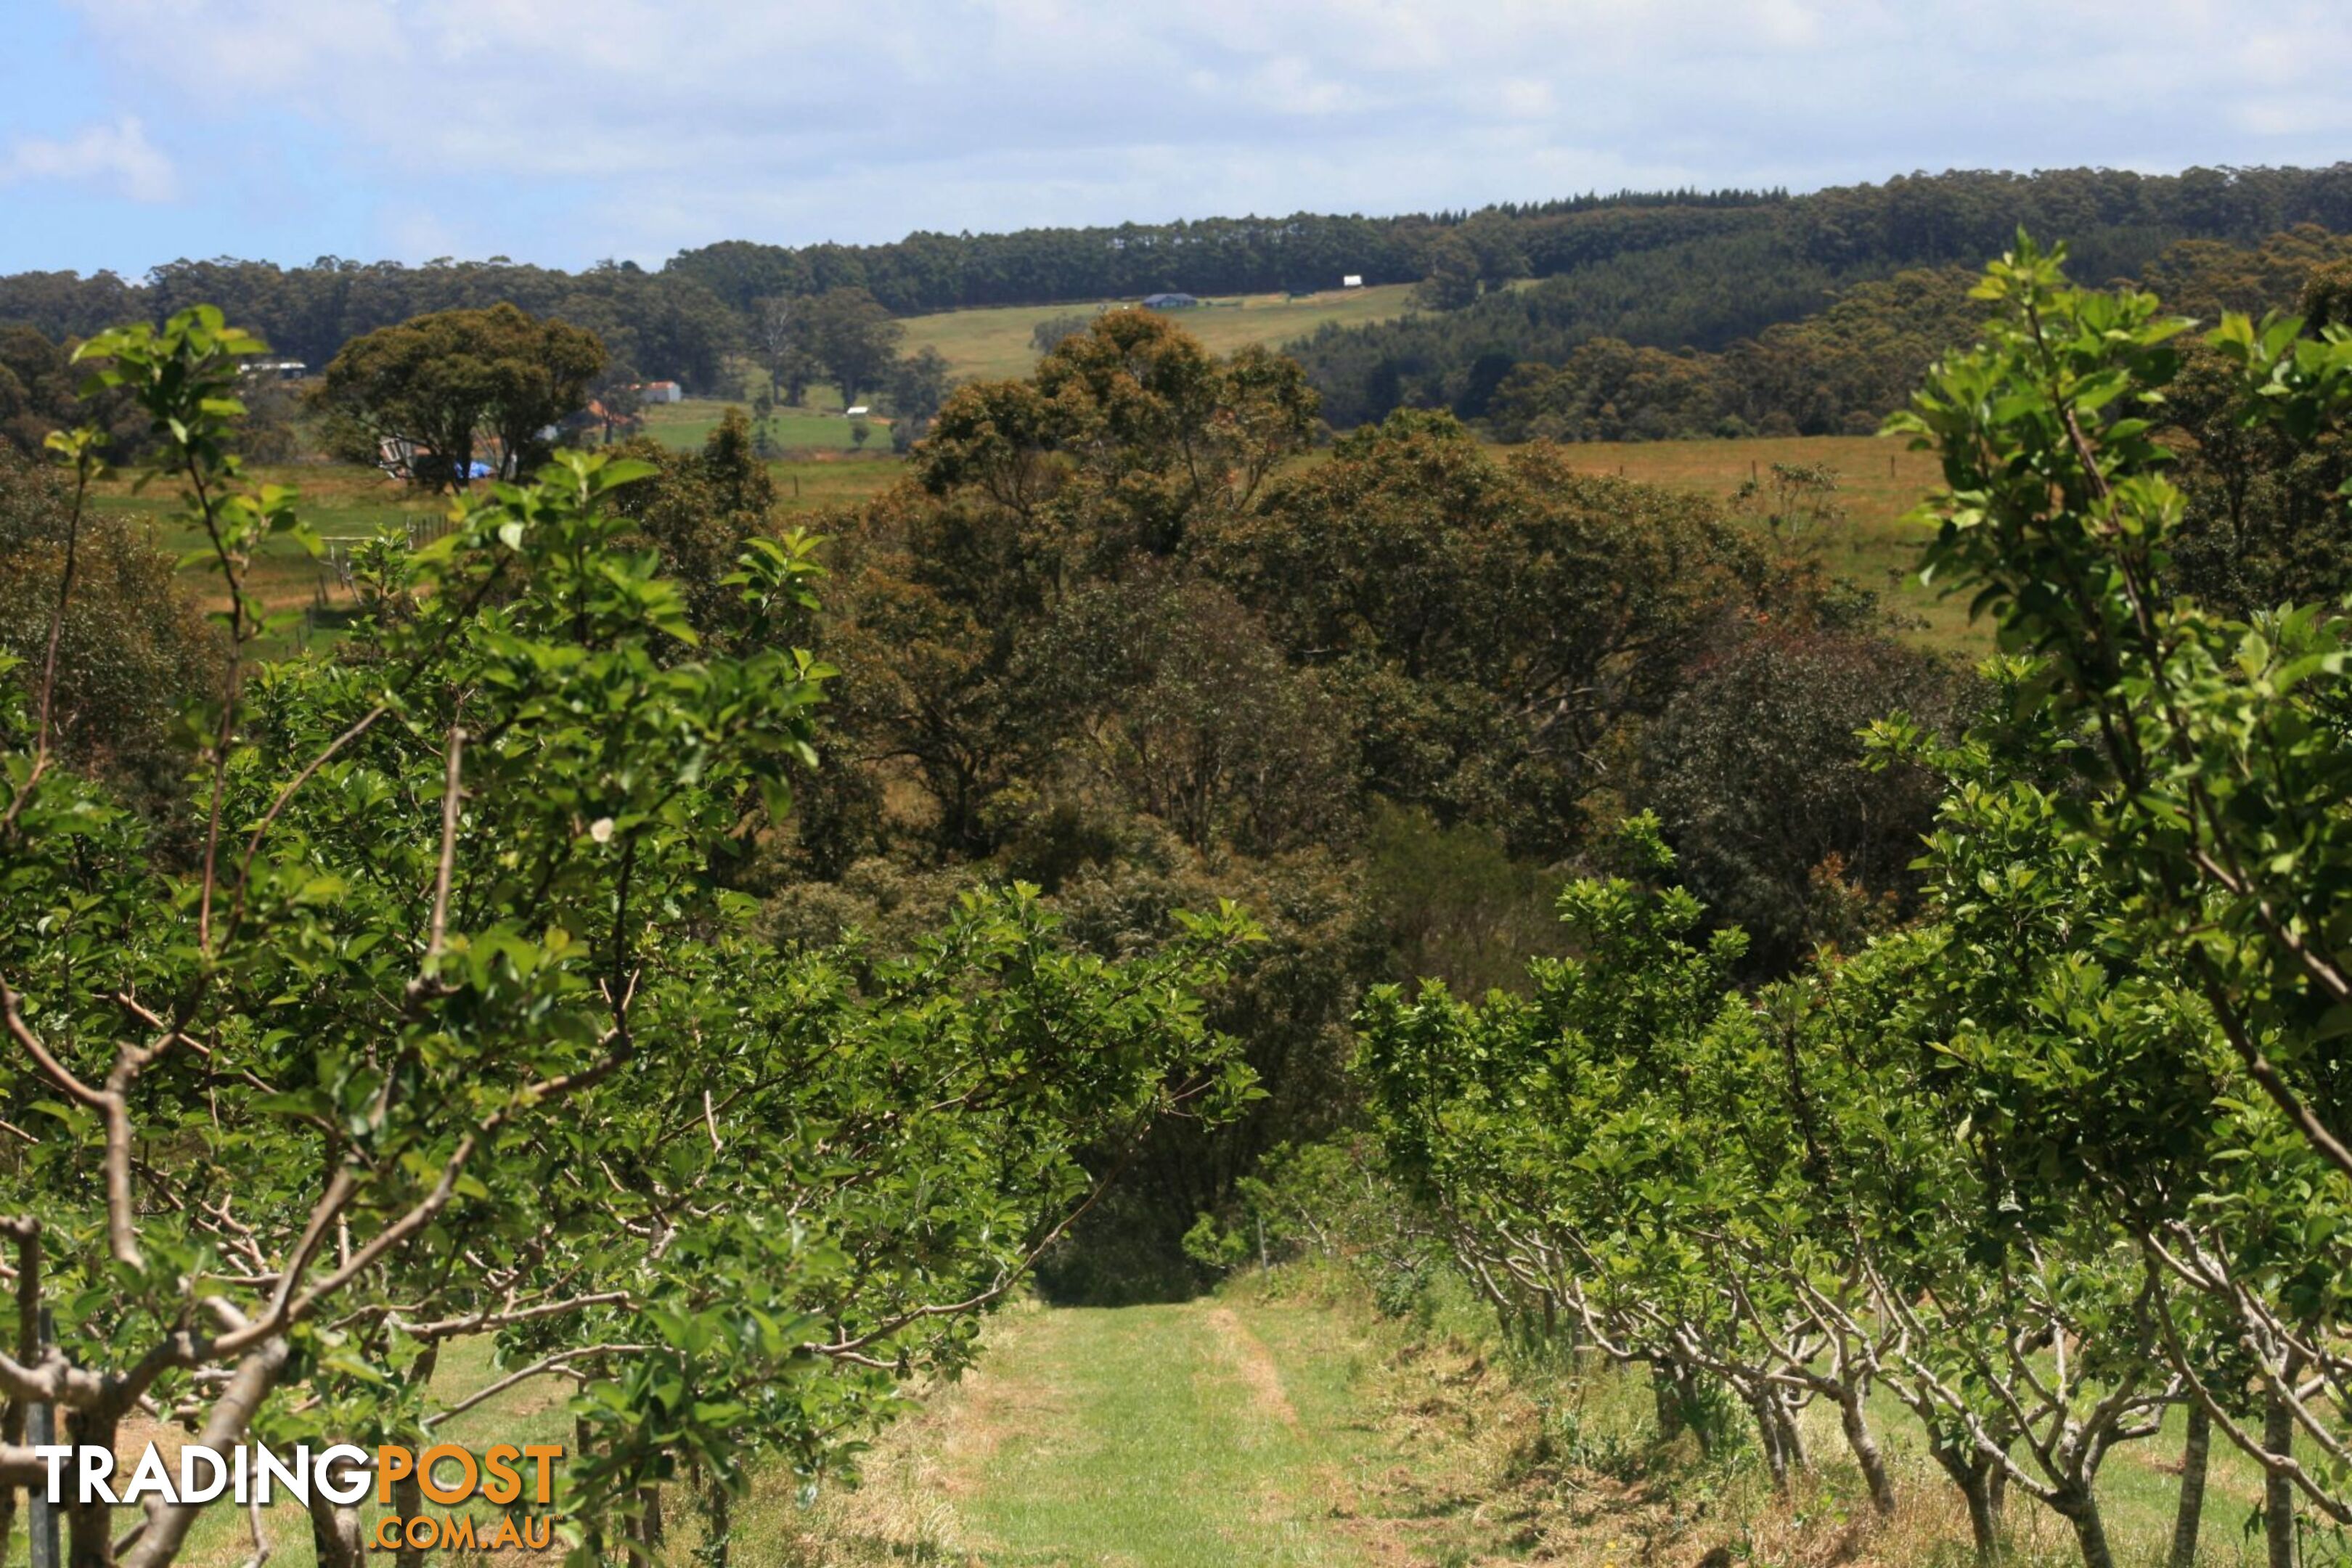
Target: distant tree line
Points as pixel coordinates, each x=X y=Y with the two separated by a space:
x=1839 y=370
x=1670 y=269
x=663 y=323
x=1706 y=279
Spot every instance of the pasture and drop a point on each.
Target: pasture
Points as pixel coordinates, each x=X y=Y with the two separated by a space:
x=993 y=343
x=1281 y=1423
x=1879 y=480
x=819 y=427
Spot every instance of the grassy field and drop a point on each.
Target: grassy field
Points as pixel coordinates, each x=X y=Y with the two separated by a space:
x=1281 y=1423
x=1271 y=1428
x=993 y=343
x=819 y=427
x=1878 y=481
x=347 y=503
x=1241 y=1433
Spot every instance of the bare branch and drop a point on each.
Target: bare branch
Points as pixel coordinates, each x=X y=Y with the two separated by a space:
x=561 y=1361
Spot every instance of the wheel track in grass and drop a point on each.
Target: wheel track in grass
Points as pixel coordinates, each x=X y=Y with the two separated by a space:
x=1207 y=1434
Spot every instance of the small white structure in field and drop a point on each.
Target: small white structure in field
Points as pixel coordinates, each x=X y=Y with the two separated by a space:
x=661 y=392
x=1352 y=280
x=856 y=413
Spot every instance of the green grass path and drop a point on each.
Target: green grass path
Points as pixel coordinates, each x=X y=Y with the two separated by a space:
x=1212 y=1432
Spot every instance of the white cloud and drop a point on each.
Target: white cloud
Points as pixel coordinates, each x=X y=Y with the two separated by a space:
x=583 y=128
x=118 y=157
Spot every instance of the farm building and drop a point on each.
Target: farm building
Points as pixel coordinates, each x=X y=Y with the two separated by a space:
x=662 y=391
x=1352 y=280
x=1169 y=302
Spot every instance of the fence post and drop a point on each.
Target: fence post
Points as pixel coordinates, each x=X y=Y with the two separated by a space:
x=40 y=1428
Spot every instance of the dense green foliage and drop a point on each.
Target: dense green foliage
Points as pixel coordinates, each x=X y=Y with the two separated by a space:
x=1535 y=366
x=424 y=396
x=1109 y=636
x=447 y=1023
x=1978 y=1044
x=2070 y=1147
x=132 y=650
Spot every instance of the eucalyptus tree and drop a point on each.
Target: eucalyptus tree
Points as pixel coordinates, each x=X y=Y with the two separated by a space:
x=428 y=394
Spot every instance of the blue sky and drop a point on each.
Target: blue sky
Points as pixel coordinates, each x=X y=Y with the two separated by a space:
x=134 y=132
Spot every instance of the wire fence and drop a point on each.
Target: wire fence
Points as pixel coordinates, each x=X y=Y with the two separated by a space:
x=334 y=595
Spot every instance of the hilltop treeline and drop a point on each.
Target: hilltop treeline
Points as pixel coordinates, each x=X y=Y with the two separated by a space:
x=1669 y=269
x=1839 y=371
x=664 y=323
x=1784 y=249
x=1709 y=288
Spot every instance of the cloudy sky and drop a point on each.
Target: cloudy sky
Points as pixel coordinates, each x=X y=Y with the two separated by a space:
x=132 y=132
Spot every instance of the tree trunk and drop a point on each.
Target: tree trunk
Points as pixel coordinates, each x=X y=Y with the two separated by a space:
x=2194 y=1454
x=89 y=1525
x=2278 y=1492
x=1984 y=1515
x=1772 y=1433
x=644 y=1533
x=1974 y=1474
x=1866 y=1455
x=407 y=1502
x=715 y=1551
x=335 y=1539
x=1665 y=1391
x=1792 y=1436
x=408 y=1492
x=2082 y=1512
x=592 y=1533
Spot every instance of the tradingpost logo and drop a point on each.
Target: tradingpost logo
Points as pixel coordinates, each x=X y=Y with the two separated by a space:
x=448 y=1475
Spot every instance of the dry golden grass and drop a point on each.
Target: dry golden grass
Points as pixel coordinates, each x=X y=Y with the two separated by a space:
x=1878 y=481
x=993 y=343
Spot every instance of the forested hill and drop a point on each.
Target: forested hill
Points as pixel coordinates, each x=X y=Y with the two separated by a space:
x=1777 y=263
x=1670 y=269
x=1785 y=248
x=1303 y=251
